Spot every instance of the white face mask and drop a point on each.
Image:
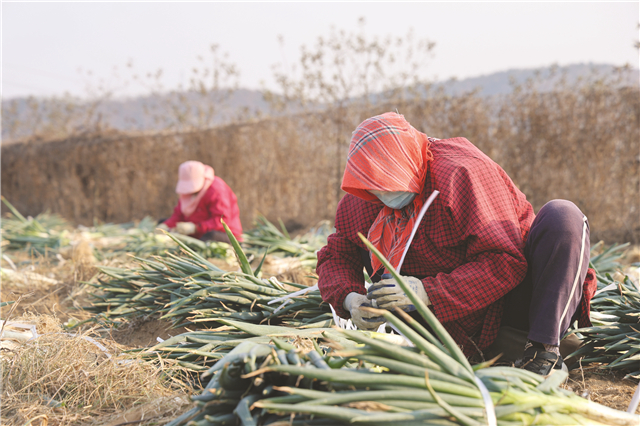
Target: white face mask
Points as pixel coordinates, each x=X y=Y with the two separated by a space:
x=394 y=200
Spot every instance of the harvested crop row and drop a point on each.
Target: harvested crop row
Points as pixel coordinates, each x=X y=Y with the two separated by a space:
x=614 y=340
x=191 y=290
x=369 y=382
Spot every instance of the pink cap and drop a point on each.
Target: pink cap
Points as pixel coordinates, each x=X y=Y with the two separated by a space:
x=191 y=176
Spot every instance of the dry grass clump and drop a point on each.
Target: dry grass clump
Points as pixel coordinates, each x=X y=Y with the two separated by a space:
x=65 y=379
x=45 y=324
x=42 y=282
x=46 y=285
x=83 y=261
x=51 y=284
x=632 y=255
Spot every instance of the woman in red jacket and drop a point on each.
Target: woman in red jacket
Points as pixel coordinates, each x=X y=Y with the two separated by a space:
x=480 y=257
x=204 y=200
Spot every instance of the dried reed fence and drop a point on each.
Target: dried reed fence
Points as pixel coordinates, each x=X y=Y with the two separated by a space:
x=579 y=143
x=274 y=167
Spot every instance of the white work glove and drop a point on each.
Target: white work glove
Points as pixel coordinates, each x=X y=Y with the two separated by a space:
x=388 y=294
x=186 y=228
x=161 y=227
x=359 y=317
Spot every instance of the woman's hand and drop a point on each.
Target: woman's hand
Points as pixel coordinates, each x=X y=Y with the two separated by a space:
x=388 y=294
x=354 y=302
x=185 y=228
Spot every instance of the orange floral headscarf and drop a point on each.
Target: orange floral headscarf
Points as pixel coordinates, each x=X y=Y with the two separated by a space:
x=387 y=154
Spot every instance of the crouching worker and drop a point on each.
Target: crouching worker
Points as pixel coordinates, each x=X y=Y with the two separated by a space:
x=204 y=200
x=480 y=257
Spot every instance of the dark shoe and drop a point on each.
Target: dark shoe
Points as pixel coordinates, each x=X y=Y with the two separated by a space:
x=510 y=343
x=542 y=362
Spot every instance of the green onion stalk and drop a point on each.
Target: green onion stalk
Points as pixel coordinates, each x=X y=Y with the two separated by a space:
x=366 y=380
x=190 y=290
x=45 y=232
x=608 y=259
x=140 y=243
x=614 y=339
x=198 y=350
x=266 y=237
x=140 y=240
x=49 y=232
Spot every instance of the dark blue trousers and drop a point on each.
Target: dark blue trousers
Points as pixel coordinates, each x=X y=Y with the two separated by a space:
x=557 y=251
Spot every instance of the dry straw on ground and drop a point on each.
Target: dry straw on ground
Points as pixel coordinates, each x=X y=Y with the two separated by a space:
x=66 y=379
x=49 y=285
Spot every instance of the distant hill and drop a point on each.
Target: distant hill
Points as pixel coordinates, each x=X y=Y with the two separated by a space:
x=500 y=83
x=151 y=113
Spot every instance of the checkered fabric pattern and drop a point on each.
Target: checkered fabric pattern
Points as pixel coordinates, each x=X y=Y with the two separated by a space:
x=468 y=249
x=387 y=154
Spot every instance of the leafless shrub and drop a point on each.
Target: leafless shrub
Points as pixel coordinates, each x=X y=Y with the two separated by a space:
x=199 y=104
x=345 y=74
x=556 y=139
x=579 y=142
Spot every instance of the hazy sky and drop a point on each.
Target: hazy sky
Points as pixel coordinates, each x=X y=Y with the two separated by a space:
x=44 y=44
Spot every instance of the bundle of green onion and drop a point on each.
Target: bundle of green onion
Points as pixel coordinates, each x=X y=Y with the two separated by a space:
x=140 y=239
x=198 y=350
x=614 y=338
x=190 y=289
x=278 y=242
x=145 y=244
x=371 y=382
x=42 y=233
x=50 y=232
x=608 y=260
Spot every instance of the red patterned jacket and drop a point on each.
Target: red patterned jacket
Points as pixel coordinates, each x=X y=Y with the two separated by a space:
x=219 y=202
x=468 y=250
